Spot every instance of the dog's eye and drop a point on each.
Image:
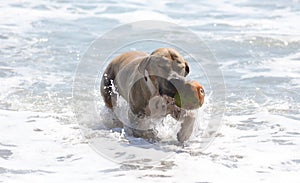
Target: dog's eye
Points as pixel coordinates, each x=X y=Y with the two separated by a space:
x=178 y=61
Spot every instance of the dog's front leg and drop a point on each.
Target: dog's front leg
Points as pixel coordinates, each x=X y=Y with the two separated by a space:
x=140 y=127
x=180 y=114
x=186 y=129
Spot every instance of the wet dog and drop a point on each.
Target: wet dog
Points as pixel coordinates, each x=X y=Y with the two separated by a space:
x=153 y=85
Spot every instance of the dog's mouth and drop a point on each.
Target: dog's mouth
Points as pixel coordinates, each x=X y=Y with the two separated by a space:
x=166 y=87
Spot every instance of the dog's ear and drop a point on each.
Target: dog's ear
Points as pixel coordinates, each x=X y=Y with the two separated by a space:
x=187 y=69
x=173 y=54
x=143 y=65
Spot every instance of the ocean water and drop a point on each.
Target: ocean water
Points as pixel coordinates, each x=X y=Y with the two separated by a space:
x=256 y=45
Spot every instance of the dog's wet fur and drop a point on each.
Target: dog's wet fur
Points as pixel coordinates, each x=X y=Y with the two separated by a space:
x=141 y=78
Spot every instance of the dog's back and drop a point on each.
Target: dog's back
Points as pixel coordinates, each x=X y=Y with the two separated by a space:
x=111 y=71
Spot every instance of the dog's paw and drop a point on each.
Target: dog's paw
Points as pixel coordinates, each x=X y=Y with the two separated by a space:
x=182 y=136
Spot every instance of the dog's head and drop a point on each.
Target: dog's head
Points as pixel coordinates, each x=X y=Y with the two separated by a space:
x=177 y=62
x=163 y=62
x=167 y=69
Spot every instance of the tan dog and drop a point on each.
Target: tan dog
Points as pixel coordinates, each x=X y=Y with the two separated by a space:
x=140 y=78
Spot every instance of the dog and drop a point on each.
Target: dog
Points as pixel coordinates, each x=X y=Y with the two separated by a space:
x=152 y=85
